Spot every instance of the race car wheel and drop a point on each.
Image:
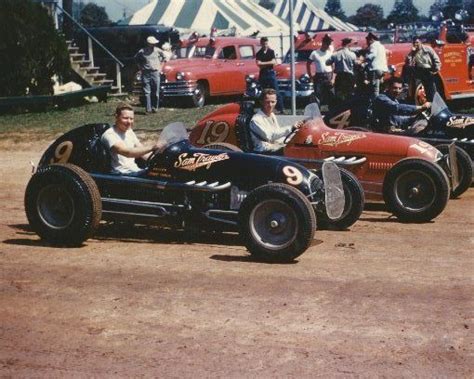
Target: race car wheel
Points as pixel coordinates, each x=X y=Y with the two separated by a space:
x=416 y=190
x=222 y=146
x=199 y=97
x=464 y=169
x=277 y=222
x=355 y=200
x=63 y=204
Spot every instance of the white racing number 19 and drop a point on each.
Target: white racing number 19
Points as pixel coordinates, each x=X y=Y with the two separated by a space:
x=293 y=175
x=62 y=153
x=214 y=132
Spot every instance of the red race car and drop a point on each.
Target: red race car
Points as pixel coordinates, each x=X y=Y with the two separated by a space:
x=411 y=176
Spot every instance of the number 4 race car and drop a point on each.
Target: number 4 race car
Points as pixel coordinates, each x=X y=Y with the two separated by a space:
x=402 y=171
x=439 y=128
x=272 y=202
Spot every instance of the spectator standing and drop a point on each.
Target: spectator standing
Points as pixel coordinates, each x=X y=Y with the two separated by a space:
x=149 y=61
x=425 y=65
x=323 y=76
x=267 y=78
x=376 y=60
x=343 y=61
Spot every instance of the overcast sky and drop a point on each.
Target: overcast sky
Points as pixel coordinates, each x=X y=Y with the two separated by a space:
x=115 y=8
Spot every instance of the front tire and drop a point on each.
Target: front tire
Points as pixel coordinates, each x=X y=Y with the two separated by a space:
x=464 y=164
x=200 y=95
x=277 y=222
x=354 y=205
x=416 y=190
x=62 y=204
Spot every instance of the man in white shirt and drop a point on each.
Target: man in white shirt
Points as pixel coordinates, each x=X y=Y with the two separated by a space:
x=267 y=135
x=323 y=77
x=376 y=63
x=123 y=143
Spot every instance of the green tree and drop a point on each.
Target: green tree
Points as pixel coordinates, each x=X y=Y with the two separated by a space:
x=333 y=7
x=451 y=7
x=92 y=15
x=368 y=15
x=436 y=7
x=31 y=51
x=403 y=11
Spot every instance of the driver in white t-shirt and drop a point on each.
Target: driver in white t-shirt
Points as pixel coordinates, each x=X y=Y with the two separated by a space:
x=123 y=143
x=267 y=135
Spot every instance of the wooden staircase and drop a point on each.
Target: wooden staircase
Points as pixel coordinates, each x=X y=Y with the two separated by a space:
x=91 y=75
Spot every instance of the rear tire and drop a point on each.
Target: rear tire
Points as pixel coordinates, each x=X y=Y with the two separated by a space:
x=416 y=190
x=355 y=200
x=277 y=222
x=464 y=169
x=62 y=204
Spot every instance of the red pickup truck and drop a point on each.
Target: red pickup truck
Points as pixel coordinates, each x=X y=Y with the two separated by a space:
x=454 y=49
x=205 y=68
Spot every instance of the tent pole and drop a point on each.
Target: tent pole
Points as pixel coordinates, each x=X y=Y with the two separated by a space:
x=292 y=55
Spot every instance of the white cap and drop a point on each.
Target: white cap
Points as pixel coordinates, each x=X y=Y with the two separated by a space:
x=152 y=40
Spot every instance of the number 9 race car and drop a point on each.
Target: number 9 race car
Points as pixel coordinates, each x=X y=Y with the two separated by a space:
x=272 y=202
x=402 y=171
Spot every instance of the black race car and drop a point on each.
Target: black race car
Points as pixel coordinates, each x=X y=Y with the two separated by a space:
x=271 y=201
x=438 y=127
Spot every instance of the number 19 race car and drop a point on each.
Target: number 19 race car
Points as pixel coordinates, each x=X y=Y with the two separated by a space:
x=272 y=202
x=409 y=175
x=438 y=127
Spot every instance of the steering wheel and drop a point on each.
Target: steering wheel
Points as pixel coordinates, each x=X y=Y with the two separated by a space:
x=153 y=154
x=425 y=115
x=290 y=135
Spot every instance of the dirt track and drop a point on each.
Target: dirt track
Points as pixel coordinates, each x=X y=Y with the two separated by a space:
x=384 y=299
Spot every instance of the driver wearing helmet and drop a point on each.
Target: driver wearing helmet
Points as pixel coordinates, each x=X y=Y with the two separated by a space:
x=123 y=143
x=392 y=116
x=266 y=133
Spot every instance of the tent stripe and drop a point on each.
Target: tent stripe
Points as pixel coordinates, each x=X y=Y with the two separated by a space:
x=188 y=13
x=302 y=12
x=254 y=14
x=158 y=12
x=282 y=8
x=236 y=18
x=220 y=22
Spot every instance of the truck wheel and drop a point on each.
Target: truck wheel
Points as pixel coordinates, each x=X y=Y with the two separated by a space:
x=355 y=200
x=222 y=146
x=277 y=222
x=464 y=169
x=63 y=204
x=416 y=190
x=199 y=97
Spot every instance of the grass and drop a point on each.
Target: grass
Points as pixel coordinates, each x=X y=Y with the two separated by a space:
x=45 y=125
x=28 y=127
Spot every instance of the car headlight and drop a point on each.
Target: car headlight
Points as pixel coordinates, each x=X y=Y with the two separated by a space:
x=253 y=85
x=250 y=78
x=179 y=75
x=304 y=78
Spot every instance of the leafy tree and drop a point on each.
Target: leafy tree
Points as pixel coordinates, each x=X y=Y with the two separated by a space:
x=469 y=6
x=403 y=11
x=368 y=15
x=31 y=51
x=333 y=7
x=451 y=7
x=437 y=7
x=267 y=4
x=92 y=15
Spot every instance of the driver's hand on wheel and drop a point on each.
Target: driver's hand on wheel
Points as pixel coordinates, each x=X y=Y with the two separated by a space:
x=297 y=125
x=426 y=105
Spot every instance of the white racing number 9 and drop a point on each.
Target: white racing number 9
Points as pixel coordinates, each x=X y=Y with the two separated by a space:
x=62 y=153
x=293 y=175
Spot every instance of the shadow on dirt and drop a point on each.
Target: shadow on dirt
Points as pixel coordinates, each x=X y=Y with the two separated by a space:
x=248 y=259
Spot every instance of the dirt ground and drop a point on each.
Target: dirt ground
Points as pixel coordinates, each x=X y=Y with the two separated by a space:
x=383 y=299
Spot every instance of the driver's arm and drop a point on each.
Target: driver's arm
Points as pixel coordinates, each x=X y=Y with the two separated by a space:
x=139 y=151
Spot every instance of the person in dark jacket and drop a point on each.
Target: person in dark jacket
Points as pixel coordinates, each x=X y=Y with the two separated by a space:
x=344 y=61
x=425 y=65
x=266 y=60
x=391 y=116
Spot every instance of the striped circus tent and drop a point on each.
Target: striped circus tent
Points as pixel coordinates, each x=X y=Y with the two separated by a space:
x=310 y=17
x=245 y=16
